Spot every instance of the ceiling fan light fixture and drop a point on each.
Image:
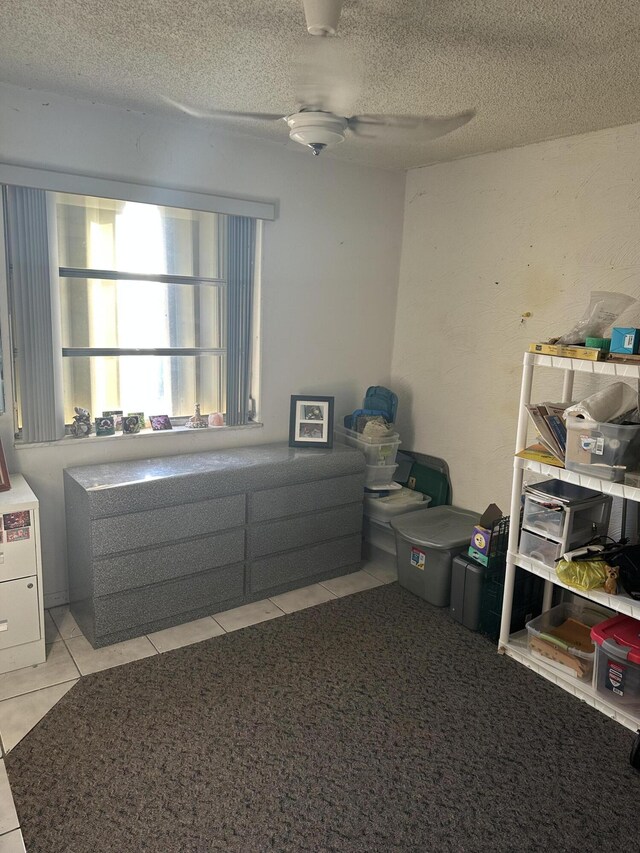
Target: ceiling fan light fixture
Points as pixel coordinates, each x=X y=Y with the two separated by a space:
x=322 y=16
x=316 y=129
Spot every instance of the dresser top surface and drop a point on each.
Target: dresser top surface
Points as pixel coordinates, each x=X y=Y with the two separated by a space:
x=114 y=474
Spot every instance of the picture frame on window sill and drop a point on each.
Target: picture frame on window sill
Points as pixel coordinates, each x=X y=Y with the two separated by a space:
x=311 y=421
x=5 y=482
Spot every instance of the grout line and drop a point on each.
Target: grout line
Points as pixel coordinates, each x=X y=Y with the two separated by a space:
x=72 y=657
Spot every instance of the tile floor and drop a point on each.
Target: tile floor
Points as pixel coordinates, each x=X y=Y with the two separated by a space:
x=27 y=695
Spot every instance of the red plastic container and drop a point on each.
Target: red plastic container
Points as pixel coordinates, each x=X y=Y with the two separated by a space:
x=617 y=675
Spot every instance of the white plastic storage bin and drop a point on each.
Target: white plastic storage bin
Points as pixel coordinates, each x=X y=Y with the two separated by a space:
x=562 y=636
x=566 y=513
x=379 y=475
x=543 y=550
x=379 y=450
x=386 y=507
x=380 y=535
x=602 y=450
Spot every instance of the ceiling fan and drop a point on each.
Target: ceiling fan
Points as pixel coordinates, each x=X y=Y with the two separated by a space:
x=325 y=86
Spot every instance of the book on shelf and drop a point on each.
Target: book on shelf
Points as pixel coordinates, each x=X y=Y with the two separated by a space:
x=547 y=419
x=589 y=353
x=539 y=453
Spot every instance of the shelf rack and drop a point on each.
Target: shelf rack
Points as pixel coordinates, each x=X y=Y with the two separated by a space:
x=515 y=646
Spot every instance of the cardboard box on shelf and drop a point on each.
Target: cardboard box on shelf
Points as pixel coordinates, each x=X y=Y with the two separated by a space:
x=589 y=353
x=625 y=340
x=481 y=537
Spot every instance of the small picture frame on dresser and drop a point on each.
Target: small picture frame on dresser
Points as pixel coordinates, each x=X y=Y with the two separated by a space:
x=311 y=422
x=5 y=482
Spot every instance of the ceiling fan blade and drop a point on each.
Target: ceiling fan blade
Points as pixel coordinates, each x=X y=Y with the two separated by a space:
x=327 y=78
x=192 y=111
x=424 y=127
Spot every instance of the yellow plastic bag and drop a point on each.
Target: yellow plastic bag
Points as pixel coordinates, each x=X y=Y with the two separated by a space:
x=582 y=574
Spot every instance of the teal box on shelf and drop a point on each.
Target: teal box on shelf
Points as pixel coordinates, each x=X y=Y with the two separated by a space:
x=625 y=340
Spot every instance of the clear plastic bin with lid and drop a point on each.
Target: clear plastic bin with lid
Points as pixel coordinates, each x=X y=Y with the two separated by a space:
x=559 y=516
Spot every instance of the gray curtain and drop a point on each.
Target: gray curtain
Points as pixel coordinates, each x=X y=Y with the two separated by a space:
x=33 y=292
x=241 y=237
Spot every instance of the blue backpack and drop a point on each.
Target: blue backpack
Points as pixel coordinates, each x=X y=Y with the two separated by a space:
x=377 y=401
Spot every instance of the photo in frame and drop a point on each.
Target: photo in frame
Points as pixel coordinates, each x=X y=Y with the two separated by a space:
x=5 y=482
x=160 y=422
x=311 y=421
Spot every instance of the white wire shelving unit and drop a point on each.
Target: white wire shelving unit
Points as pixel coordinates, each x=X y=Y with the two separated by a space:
x=515 y=645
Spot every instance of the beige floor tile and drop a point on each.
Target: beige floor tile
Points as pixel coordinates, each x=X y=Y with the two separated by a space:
x=51 y=633
x=90 y=660
x=385 y=574
x=58 y=668
x=248 y=614
x=185 y=635
x=8 y=816
x=12 y=842
x=66 y=624
x=348 y=584
x=20 y=714
x=298 y=599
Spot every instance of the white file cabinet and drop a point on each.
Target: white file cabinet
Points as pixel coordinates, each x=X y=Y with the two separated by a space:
x=21 y=609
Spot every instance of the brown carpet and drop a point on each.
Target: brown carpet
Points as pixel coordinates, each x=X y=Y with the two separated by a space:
x=371 y=723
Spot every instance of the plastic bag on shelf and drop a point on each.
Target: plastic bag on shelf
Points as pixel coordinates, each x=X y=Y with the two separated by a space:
x=582 y=574
x=604 y=309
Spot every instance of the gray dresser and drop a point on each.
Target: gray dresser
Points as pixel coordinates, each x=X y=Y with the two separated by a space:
x=153 y=543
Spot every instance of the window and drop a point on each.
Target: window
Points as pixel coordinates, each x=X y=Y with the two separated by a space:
x=150 y=308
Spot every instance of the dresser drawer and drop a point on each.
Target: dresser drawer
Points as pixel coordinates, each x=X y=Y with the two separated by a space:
x=17 y=558
x=19 y=612
x=272 y=536
x=155 y=526
x=150 y=566
x=305 y=497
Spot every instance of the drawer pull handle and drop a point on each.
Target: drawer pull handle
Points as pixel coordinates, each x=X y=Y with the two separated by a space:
x=4 y=625
x=29 y=586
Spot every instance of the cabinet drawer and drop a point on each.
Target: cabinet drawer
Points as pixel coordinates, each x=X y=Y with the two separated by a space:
x=272 y=536
x=543 y=550
x=156 y=565
x=19 y=612
x=295 y=567
x=305 y=497
x=17 y=559
x=153 y=527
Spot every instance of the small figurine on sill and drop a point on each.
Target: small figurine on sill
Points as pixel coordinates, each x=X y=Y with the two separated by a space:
x=81 y=425
x=196 y=421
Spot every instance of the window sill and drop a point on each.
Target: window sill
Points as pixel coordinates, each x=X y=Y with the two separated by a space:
x=145 y=433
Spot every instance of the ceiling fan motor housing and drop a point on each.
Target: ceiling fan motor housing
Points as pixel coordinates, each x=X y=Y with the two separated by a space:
x=316 y=128
x=322 y=16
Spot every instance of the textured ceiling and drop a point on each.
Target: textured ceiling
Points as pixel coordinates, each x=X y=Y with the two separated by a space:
x=532 y=70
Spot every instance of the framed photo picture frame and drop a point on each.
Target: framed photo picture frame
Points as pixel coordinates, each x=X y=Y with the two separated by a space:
x=5 y=482
x=311 y=421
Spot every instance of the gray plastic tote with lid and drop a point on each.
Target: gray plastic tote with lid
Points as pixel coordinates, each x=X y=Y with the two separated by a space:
x=426 y=543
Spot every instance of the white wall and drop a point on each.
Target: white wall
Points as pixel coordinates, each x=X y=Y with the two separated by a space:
x=329 y=270
x=486 y=240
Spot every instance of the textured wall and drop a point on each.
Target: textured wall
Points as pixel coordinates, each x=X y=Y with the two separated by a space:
x=329 y=270
x=486 y=240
